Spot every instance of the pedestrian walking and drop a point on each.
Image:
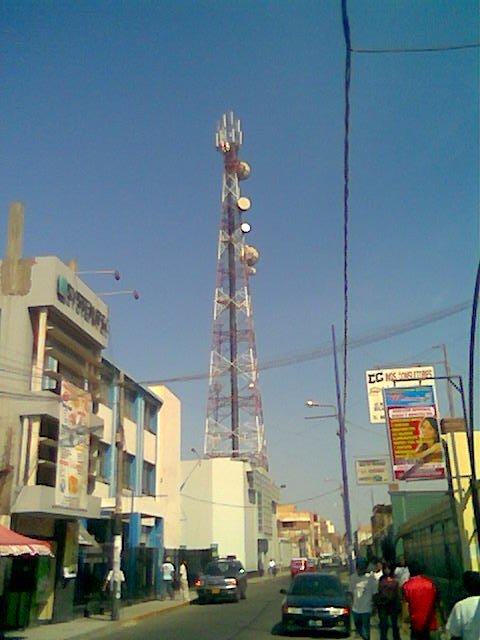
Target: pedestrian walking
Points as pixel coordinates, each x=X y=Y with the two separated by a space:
x=363 y=586
x=112 y=577
x=184 y=580
x=464 y=619
x=168 y=572
x=388 y=602
x=272 y=567
x=421 y=596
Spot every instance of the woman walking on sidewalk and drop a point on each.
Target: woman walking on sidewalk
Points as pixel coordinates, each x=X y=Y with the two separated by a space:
x=389 y=603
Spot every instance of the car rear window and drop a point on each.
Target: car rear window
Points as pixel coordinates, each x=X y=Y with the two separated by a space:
x=222 y=568
x=327 y=586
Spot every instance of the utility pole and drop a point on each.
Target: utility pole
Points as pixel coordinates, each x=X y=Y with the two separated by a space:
x=451 y=403
x=343 y=454
x=116 y=586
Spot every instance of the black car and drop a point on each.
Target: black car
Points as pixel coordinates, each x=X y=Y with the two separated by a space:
x=224 y=579
x=316 y=602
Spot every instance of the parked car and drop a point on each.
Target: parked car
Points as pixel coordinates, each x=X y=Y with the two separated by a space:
x=316 y=601
x=297 y=565
x=224 y=579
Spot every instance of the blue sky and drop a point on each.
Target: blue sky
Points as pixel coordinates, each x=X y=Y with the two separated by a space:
x=107 y=128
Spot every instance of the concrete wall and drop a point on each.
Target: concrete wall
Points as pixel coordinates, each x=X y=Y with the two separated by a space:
x=196 y=504
x=168 y=463
x=216 y=509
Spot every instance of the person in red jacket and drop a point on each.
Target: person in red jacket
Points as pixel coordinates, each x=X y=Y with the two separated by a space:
x=421 y=595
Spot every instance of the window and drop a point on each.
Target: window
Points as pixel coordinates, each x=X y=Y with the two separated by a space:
x=148 y=479
x=103 y=464
x=260 y=510
x=150 y=419
x=47 y=452
x=49 y=382
x=130 y=409
x=128 y=470
x=107 y=391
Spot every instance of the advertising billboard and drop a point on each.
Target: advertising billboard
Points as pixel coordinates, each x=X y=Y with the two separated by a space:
x=414 y=434
x=379 y=379
x=373 y=470
x=73 y=447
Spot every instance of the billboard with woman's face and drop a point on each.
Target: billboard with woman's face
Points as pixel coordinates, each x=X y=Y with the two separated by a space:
x=414 y=434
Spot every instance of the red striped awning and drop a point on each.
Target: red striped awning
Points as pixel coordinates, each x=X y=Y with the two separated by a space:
x=16 y=544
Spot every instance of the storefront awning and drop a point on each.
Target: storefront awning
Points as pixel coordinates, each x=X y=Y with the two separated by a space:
x=15 y=544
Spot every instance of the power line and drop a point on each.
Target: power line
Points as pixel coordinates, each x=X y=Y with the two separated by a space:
x=473 y=45
x=326 y=350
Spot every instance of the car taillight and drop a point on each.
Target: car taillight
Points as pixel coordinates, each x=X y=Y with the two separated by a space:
x=198 y=583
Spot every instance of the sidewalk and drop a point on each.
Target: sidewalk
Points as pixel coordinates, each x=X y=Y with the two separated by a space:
x=97 y=625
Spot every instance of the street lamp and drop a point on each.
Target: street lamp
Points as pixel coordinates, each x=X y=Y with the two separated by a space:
x=345 y=494
x=115 y=272
x=134 y=292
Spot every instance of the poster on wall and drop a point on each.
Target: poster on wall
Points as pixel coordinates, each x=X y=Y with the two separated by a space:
x=73 y=447
x=414 y=434
x=379 y=379
x=373 y=470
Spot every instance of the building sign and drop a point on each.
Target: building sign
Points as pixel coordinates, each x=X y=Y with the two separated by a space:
x=414 y=436
x=379 y=379
x=373 y=470
x=73 y=448
x=83 y=307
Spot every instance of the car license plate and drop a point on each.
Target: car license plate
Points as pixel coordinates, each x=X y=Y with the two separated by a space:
x=315 y=623
x=214 y=591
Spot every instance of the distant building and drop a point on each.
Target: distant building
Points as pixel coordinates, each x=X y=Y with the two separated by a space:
x=383 y=544
x=363 y=541
x=300 y=528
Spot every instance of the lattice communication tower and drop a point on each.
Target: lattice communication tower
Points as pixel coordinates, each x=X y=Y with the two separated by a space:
x=234 y=425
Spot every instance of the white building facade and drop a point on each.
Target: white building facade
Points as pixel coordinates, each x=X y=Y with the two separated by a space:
x=230 y=507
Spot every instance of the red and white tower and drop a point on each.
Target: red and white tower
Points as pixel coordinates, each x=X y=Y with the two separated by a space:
x=234 y=425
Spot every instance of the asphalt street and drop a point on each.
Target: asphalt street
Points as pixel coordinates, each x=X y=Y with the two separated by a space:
x=256 y=618
x=250 y=619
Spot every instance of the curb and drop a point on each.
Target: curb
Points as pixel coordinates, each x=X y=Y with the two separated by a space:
x=156 y=612
x=111 y=626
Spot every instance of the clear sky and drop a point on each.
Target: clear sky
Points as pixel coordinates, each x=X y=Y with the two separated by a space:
x=107 y=133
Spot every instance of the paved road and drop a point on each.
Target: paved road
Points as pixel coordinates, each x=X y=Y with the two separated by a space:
x=256 y=618
x=250 y=619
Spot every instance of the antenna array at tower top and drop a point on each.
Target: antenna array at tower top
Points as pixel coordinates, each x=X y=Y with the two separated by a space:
x=228 y=133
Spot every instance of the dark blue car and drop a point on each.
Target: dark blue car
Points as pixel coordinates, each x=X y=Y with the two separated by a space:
x=316 y=602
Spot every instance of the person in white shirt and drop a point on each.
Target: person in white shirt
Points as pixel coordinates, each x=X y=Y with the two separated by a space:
x=377 y=573
x=362 y=587
x=402 y=572
x=168 y=571
x=272 y=567
x=110 y=580
x=184 y=580
x=464 y=619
